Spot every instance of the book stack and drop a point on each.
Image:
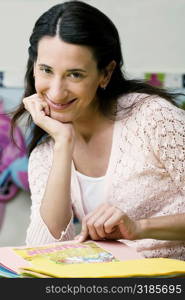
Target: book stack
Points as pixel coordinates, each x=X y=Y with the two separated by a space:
x=84 y=260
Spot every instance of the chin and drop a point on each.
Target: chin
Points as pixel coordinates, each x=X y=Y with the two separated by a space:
x=61 y=117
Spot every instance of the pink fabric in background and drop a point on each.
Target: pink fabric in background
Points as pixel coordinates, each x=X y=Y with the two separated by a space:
x=2 y=211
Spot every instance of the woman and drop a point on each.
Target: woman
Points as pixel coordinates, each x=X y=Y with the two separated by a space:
x=108 y=149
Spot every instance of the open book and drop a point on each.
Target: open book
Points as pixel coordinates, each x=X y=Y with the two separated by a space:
x=84 y=260
x=53 y=257
x=15 y=258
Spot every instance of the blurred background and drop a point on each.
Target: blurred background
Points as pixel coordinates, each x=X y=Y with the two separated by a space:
x=153 y=44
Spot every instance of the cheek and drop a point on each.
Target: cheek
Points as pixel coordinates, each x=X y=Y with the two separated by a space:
x=40 y=84
x=93 y=85
x=89 y=89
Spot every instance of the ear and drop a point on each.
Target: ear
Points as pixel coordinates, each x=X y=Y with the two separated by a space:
x=107 y=73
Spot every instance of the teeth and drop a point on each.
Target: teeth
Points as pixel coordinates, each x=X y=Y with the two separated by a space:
x=57 y=104
x=71 y=101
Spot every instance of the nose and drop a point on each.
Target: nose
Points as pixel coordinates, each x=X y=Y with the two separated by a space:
x=58 y=90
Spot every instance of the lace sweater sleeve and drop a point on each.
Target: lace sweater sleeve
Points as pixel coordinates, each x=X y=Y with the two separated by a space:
x=38 y=171
x=167 y=125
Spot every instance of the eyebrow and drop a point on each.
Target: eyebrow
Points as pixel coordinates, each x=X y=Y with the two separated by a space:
x=69 y=70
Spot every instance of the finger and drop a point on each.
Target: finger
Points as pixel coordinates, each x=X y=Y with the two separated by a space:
x=46 y=106
x=88 y=231
x=47 y=110
x=101 y=221
x=84 y=232
x=91 y=228
x=91 y=224
x=115 y=234
x=94 y=225
x=40 y=95
x=113 y=221
x=78 y=238
x=38 y=110
x=95 y=220
x=32 y=103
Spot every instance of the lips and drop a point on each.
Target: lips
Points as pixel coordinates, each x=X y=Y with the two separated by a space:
x=60 y=106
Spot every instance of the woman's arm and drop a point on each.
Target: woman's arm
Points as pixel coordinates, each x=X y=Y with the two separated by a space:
x=109 y=222
x=56 y=208
x=39 y=168
x=170 y=227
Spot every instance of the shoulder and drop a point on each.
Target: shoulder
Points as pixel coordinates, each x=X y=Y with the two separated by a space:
x=42 y=152
x=40 y=162
x=144 y=106
x=161 y=113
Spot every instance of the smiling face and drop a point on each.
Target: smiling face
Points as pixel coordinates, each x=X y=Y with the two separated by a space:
x=67 y=77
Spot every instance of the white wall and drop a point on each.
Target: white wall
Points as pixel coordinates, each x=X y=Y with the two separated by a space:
x=151 y=31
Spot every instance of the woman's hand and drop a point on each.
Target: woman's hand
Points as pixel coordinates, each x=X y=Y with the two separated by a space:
x=40 y=112
x=108 y=222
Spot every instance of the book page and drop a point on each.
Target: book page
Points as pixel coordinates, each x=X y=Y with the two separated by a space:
x=69 y=253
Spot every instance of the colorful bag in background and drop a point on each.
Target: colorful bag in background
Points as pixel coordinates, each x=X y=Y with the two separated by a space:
x=13 y=161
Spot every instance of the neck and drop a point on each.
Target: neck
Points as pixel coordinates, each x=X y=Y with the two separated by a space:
x=92 y=123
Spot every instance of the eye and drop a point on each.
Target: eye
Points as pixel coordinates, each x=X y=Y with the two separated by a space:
x=75 y=75
x=45 y=70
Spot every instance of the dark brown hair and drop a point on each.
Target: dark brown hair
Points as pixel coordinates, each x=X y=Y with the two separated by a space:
x=79 y=23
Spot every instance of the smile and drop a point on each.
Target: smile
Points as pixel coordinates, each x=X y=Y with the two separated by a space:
x=59 y=106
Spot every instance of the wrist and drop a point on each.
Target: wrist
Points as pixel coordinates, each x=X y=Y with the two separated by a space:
x=63 y=145
x=141 y=226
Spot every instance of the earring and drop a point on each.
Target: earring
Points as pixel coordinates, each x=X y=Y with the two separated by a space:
x=103 y=87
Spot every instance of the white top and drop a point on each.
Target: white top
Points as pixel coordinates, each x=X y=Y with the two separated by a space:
x=91 y=190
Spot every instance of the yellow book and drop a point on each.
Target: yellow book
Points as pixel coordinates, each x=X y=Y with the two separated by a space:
x=149 y=267
x=88 y=260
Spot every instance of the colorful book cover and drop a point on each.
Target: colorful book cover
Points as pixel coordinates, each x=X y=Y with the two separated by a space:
x=66 y=253
x=14 y=261
x=60 y=254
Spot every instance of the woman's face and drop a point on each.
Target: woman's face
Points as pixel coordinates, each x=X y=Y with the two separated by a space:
x=67 y=78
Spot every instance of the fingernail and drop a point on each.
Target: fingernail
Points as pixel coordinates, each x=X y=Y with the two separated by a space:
x=80 y=238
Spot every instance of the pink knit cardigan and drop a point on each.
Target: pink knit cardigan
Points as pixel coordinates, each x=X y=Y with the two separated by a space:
x=145 y=177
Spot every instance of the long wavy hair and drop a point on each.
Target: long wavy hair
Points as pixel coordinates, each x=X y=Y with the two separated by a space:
x=79 y=23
